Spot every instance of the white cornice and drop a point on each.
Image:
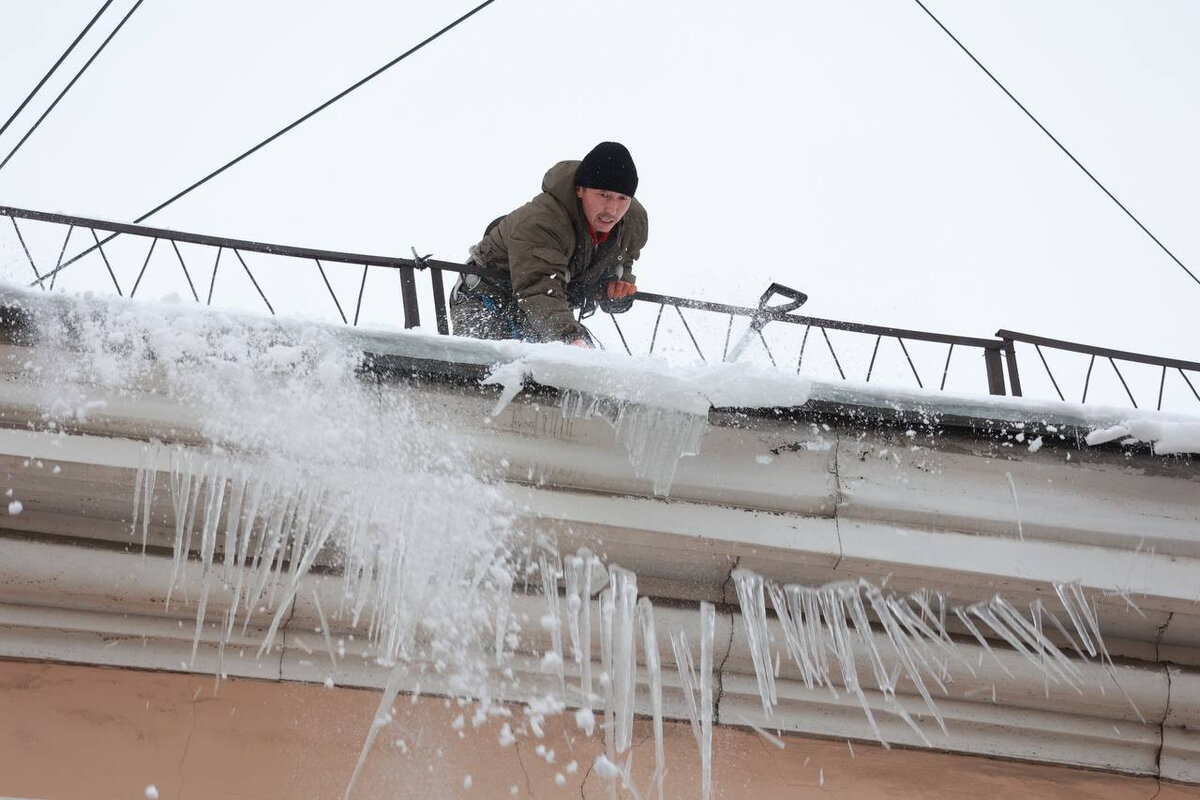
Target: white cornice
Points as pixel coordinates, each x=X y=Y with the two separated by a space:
x=83 y=605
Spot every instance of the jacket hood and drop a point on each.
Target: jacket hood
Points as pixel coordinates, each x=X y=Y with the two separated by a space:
x=559 y=183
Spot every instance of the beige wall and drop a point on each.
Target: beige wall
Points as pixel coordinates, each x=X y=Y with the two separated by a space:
x=87 y=733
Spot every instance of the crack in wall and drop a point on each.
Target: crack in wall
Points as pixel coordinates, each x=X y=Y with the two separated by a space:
x=1162 y=730
x=1162 y=629
x=719 y=672
x=525 y=770
x=283 y=635
x=187 y=745
x=583 y=782
x=1162 y=725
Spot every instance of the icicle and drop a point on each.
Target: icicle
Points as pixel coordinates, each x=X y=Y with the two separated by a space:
x=793 y=634
x=970 y=626
x=138 y=480
x=763 y=732
x=905 y=651
x=282 y=537
x=708 y=627
x=1086 y=622
x=623 y=672
x=687 y=679
x=249 y=518
x=933 y=626
x=148 y=489
x=573 y=575
x=1016 y=505
x=854 y=604
x=901 y=642
x=550 y=572
x=898 y=710
x=1057 y=667
x=1035 y=611
x=208 y=543
x=1065 y=634
x=383 y=714
x=866 y=638
x=1068 y=601
x=919 y=638
x=221 y=642
x=754 y=618
x=333 y=666
x=836 y=620
x=606 y=662
x=579 y=598
x=654 y=670
x=183 y=500
x=654 y=438
x=233 y=521
x=1124 y=595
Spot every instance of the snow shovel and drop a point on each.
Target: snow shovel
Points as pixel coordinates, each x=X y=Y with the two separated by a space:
x=766 y=313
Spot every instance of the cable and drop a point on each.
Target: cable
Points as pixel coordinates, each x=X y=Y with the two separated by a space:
x=279 y=133
x=61 y=94
x=1095 y=180
x=315 y=111
x=61 y=58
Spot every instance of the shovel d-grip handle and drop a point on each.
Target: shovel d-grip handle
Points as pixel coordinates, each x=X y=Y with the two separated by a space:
x=766 y=313
x=796 y=298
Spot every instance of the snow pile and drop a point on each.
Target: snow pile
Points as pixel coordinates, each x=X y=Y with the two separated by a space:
x=692 y=388
x=1166 y=436
x=1172 y=432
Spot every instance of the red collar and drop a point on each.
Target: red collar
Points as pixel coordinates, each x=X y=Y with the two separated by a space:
x=598 y=238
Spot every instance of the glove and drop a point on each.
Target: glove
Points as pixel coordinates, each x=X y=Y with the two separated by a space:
x=619 y=290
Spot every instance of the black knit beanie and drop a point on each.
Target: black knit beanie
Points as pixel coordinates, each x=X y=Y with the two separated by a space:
x=609 y=166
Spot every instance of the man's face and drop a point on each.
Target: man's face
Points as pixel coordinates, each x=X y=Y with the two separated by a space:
x=602 y=208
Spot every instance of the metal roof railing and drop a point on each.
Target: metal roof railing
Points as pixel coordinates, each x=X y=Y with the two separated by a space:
x=1165 y=365
x=652 y=315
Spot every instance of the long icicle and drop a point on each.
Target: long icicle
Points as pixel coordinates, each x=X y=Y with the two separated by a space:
x=687 y=679
x=754 y=618
x=549 y=571
x=654 y=670
x=708 y=625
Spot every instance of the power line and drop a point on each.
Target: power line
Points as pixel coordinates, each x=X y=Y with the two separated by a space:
x=78 y=74
x=277 y=134
x=315 y=111
x=1062 y=147
x=61 y=58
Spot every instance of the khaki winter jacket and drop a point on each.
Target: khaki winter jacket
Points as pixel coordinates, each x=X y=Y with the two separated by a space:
x=547 y=250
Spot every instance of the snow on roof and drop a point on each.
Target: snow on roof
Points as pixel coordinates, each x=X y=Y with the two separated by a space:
x=652 y=381
x=695 y=387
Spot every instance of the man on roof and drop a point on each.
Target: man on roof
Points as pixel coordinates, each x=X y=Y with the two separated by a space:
x=571 y=247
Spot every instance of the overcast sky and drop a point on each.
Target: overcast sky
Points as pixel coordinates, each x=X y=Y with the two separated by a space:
x=848 y=149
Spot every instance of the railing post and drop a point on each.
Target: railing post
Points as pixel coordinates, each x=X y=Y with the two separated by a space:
x=439 y=301
x=995 y=371
x=1014 y=377
x=408 y=294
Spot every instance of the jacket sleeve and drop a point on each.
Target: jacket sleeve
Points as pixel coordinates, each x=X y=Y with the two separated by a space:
x=538 y=261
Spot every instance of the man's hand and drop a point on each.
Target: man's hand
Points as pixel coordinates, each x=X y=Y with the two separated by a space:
x=581 y=342
x=619 y=290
